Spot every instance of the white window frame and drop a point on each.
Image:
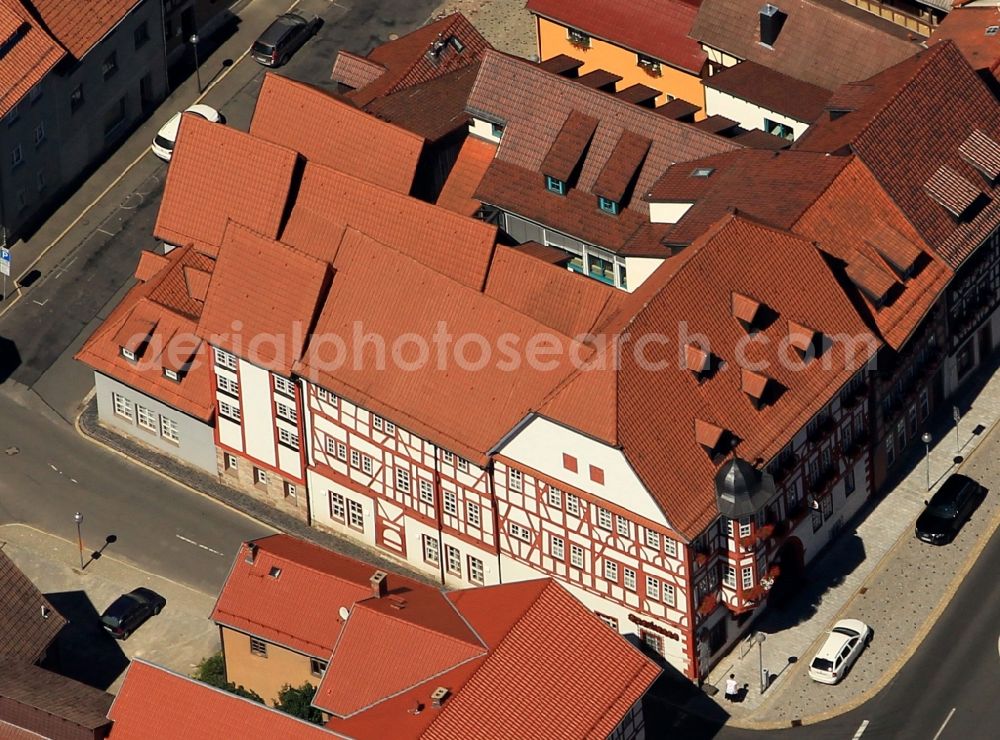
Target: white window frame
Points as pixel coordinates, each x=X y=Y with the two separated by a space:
x=629 y=578
x=431 y=549
x=227 y=385
x=260 y=476
x=746 y=575
x=286 y=412
x=515 y=480
x=477 y=571
x=288 y=438
x=621 y=525
x=670 y=547
x=284 y=386
x=338 y=507
x=230 y=411
x=519 y=532
x=652 y=539
x=402 y=480
x=577 y=556
x=449 y=502
x=557 y=547
x=225 y=359
x=453 y=560
x=669 y=594
x=123 y=406
x=653 y=588
x=145 y=418
x=603 y=518
x=572 y=504
x=472 y=514
x=610 y=570
x=355 y=515
x=463 y=465
x=426 y=491
x=729 y=575
x=367 y=465
x=553 y=496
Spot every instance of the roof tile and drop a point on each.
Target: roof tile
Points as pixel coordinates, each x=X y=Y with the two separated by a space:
x=25 y=633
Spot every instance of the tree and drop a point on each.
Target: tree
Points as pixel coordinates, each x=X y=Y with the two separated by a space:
x=212 y=670
x=298 y=702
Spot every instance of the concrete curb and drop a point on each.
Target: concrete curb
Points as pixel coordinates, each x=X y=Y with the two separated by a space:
x=914 y=644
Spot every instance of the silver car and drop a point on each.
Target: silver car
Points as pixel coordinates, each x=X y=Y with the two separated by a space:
x=847 y=639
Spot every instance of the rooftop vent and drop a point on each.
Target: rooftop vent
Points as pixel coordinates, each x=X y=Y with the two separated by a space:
x=380 y=586
x=439 y=695
x=343 y=613
x=771 y=21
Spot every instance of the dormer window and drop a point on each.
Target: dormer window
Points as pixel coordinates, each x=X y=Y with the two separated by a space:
x=608 y=206
x=578 y=38
x=171 y=374
x=496 y=129
x=128 y=354
x=554 y=185
x=804 y=340
x=652 y=66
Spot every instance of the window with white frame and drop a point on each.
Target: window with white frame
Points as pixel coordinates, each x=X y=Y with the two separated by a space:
x=610 y=621
x=747 y=576
x=472 y=514
x=629 y=578
x=338 y=507
x=290 y=491
x=554 y=497
x=652 y=588
x=653 y=641
x=729 y=576
x=515 y=480
x=603 y=518
x=519 y=532
x=402 y=480
x=653 y=539
x=341 y=451
x=288 y=439
x=377 y=422
x=611 y=570
x=331 y=445
x=227 y=385
x=463 y=465
x=367 y=464
x=453 y=560
x=621 y=523
x=448 y=457
x=390 y=428
x=573 y=504
x=260 y=476
x=229 y=410
x=169 y=430
x=123 y=407
x=355 y=459
x=432 y=552
x=322 y=394
x=576 y=558
x=287 y=412
x=355 y=515
x=557 y=547
x=477 y=573
x=145 y=417
x=258 y=647
x=745 y=527
x=669 y=594
x=426 y=492
x=225 y=359
x=231 y=462
x=450 y=502
x=284 y=386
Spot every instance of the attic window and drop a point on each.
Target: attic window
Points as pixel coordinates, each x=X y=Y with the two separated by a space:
x=274 y=572
x=171 y=374
x=983 y=153
x=456 y=44
x=608 y=206
x=698 y=361
x=756 y=386
x=952 y=192
x=746 y=310
x=803 y=339
x=702 y=171
x=992 y=30
x=554 y=185
x=652 y=66
x=709 y=436
x=128 y=354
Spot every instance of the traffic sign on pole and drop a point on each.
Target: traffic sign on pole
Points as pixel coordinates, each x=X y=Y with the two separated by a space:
x=4 y=261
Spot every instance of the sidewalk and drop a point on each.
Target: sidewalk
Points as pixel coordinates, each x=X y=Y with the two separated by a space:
x=177 y=639
x=877 y=572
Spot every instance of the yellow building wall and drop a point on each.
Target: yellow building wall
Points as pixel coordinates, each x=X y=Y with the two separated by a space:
x=267 y=675
x=553 y=41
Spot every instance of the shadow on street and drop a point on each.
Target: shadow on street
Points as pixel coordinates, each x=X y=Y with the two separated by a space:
x=85 y=651
x=676 y=708
x=10 y=358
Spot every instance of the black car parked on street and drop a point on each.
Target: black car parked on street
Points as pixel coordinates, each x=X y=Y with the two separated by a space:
x=282 y=38
x=130 y=610
x=948 y=510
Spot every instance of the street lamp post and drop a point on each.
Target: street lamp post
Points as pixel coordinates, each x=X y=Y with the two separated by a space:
x=956 y=414
x=759 y=637
x=197 y=67
x=78 y=518
x=926 y=437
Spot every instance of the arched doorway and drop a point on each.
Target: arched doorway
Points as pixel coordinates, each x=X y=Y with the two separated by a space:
x=791 y=560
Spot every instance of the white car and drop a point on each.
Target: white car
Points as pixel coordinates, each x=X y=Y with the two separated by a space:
x=166 y=137
x=842 y=647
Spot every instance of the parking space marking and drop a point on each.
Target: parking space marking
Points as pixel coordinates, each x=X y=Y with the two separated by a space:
x=105 y=231
x=861 y=730
x=945 y=724
x=197 y=544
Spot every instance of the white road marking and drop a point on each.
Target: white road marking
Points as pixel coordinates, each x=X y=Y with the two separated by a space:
x=54 y=467
x=40 y=303
x=105 y=231
x=861 y=730
x=946 y=720
x=196 y=544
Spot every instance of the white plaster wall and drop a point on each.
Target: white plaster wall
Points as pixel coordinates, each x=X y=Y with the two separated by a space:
x=541 y=444
x=229 y=433
x=639 y=269
x=483 y=129
x=258 y=421
x=667 y=213
x=319 y=503
x=288 y=459
x=747 y=114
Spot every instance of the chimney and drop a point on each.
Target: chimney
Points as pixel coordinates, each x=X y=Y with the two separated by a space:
x=438 y=696
x=379 y=585
x=771 y=21
x=251 y=552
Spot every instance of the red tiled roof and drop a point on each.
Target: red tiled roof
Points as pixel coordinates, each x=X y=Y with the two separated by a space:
x=409 y=60
x=271 y=291
x=157 y=704
x=38 y=696
x=331 y=132
x=534 y=104
x=422 y=301
x=638 y=407
x=454 y=245
x=354 y=71
x=32 y=53
x=771 y=89
x=163 y=304
x=907 y=123
x=150 y=264
x=24 y=633
x=218 y=173
x=432 y=109
x=966 y=26
x=656 y=28
x=822 y=42
x=569 y=145
x=80 y=25
x=570 y=304
x=474 y=158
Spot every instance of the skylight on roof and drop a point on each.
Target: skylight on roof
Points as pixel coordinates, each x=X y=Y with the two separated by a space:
x=992 y=30
x=274 y=572
x=702 y=171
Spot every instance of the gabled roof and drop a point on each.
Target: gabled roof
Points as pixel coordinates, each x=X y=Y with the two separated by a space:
x=25 y=630
x=261 y=289
x=771 y=89
x=51 y=696
x=218 y=173
x=157 y=704
x=822 y=42
x=473 y=160
x=968 y=26
x=328 y=201
x=28 y=53
x=419 y=56
x=655 y=28
x=534 y=104
x=570 y=304
x=80 y=25
x=907 y=123
x=424 y=300
x=330 y=132
x=647 y=405
x=165 y=305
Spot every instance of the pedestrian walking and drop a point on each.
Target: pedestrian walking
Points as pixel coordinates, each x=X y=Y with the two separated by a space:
x=732 y=690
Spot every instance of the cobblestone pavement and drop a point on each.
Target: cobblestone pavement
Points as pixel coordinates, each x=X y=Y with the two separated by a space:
x=177 y=639
x=505 y=23
x=879 y=573
x=211 y=486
